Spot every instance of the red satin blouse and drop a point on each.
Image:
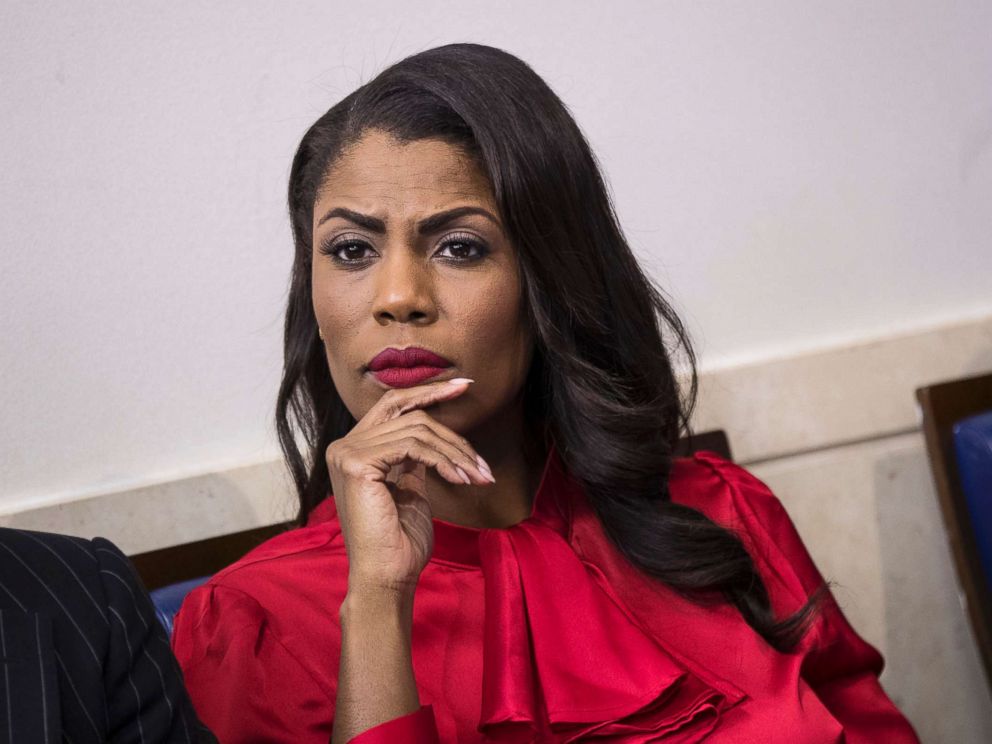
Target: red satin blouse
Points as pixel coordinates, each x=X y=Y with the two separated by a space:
x=540 y=632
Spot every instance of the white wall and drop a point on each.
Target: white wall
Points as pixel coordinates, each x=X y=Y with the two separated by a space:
x=795 y=174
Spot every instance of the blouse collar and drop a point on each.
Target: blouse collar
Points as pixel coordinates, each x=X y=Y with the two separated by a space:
x=552 y=619
x=455 y=543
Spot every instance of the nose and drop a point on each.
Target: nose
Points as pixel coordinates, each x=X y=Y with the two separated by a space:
x=403 y=289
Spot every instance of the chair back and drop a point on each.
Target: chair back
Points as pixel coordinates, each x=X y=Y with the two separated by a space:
x=168 y=600
x=171 y=573
x=711 y=441
x=973 y=454
x=957 y=427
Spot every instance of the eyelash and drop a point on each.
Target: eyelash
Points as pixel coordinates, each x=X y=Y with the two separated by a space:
x=332 y=249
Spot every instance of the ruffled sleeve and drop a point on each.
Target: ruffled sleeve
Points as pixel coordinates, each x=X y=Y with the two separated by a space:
x=839 y=665
x=418 y=727
x=245 y=685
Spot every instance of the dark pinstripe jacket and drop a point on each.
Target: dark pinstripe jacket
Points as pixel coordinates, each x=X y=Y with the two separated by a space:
x=83 y=657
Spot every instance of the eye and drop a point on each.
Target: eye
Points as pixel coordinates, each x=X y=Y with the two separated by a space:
x=462 y=249
x=348 y=251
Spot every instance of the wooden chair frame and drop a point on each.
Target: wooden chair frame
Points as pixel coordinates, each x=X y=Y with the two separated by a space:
x=942 y=406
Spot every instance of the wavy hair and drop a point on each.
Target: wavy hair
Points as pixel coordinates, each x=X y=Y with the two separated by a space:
x=602 y=381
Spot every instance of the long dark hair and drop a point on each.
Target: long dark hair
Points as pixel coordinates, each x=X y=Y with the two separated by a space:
x=603 y=377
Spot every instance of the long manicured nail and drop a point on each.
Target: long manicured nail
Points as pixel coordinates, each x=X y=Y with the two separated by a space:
x=464 y=475
x=484 y=467
x=459 y=380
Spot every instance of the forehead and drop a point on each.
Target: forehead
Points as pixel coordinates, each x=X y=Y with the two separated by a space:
x=379 y=171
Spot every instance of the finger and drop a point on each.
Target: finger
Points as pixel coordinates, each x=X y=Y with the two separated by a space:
x=409 y=489
x=410 y=475
x=397 y=401
x=466 y=466
x=428 y=449
x=473 y=460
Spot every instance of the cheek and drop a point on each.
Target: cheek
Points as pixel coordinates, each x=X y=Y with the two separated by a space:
x=492 y=332
x=338 y=307
x=340 y=312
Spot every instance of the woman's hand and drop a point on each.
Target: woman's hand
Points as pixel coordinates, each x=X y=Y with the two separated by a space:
x=378 y=478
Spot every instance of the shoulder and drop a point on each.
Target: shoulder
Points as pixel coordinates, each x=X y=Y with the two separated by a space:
x=48 y=572
x=736 y=499
x=88 y=587
x=725 y=492
x=57 y=577
x=44 y=549
x=89 y=584
x=124 y=593
x=285 y=554
x=264 y=614
x=54 y=559
x=268 y=579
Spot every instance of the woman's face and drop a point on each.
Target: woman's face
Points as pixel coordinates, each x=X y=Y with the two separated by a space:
x=408 y=250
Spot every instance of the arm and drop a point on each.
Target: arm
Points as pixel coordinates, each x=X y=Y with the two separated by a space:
x=377 y=697
x=146 y=700
x=388 y=536
x=250 y=689
x=245 y=684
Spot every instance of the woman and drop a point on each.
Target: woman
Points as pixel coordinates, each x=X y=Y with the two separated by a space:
x=497 y=542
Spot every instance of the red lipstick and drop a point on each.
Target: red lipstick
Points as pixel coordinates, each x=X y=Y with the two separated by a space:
x=407 y=367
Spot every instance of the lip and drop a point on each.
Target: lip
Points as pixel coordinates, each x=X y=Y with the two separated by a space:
x=412 y=356
x=401 y=377
x=407 y=367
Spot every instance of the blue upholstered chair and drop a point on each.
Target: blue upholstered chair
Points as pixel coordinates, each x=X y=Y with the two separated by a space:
x=171 y=573
x=168 y=600
x=973 y=450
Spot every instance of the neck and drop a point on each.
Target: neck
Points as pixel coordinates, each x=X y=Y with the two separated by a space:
x=516 y=454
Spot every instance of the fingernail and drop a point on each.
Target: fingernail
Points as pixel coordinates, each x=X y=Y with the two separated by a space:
x=463 y=475
x=459 y=380
x=484 y=467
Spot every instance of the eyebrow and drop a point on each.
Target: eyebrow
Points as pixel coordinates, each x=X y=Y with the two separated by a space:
x=425 y=226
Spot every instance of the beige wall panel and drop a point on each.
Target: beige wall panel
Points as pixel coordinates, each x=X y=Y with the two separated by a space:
x=164 y=514
x=779 y=407
x=933 y=667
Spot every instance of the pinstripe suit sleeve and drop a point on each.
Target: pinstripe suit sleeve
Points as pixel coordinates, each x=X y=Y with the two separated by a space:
x=146 y=698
